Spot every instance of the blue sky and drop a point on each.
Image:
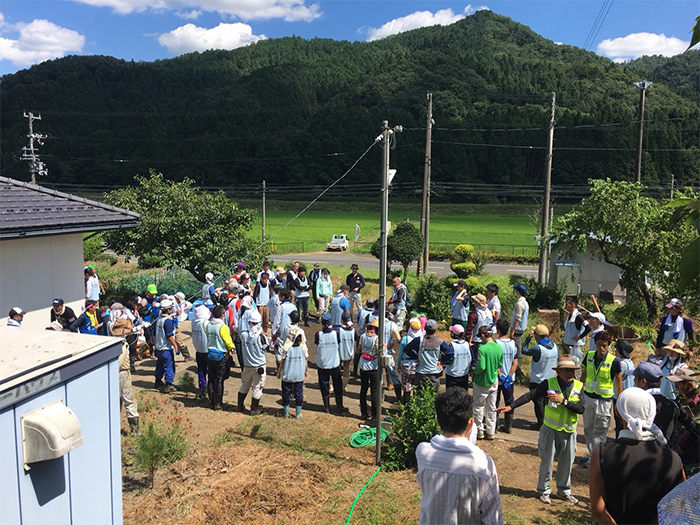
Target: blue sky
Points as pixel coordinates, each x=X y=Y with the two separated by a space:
x=32 y=31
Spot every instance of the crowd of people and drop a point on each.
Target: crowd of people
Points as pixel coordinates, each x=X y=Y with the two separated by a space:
x=655 y=405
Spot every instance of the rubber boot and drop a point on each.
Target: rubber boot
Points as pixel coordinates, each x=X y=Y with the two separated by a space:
x=286 y=411
x=134 y=425
x=406 y=397
x=327 y=404
x=218 y=398
x=398 y=390
x=298 y=412
x=241 y=402
x=255 y=407
x=505 y=427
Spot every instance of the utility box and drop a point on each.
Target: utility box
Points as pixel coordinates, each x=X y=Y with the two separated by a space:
x=59 y=427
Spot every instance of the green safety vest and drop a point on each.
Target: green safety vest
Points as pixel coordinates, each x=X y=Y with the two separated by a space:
x=599 y=381
x=561 y=418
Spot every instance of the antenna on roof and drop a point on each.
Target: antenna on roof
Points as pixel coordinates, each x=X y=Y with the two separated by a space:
x=30 y=153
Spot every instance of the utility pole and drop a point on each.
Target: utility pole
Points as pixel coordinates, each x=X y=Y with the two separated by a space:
x=387 y=176
x=643 y=85
x=263 y=212
x=425 y=206
x=36 y=167
x=542 y=273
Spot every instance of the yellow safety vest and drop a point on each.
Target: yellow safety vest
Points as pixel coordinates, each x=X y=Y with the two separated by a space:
x=561 y=418
x=599 y=381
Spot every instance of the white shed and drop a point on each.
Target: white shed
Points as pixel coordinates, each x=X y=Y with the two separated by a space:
x=59 y=427
x=41 y=247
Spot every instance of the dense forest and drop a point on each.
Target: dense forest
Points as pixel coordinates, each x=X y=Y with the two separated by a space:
x=300 y=112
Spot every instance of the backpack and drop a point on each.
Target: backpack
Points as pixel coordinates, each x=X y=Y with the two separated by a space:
x=409 y=301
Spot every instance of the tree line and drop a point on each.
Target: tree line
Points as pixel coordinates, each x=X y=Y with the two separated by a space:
x=291 y=110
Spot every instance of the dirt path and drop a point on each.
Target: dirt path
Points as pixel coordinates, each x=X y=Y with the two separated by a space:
x=271 y=470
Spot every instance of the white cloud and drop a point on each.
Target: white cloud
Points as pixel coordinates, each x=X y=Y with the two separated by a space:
x=189 y=15
x=37 y=41
x=289 y=10
x=637 y=44
x=189 y=38
x=420 y=19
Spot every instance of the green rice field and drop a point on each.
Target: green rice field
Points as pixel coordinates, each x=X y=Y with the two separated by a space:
x=492 y=232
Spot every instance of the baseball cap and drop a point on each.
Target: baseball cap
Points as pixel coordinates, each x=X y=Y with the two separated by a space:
x=647 y=370
x=684 y=374
x=541 y=329
x=601 y=317
x=152 y=288
x=674 y=303
x=461 y=282
x=456 y=329
x=431 y=324
x=16 y=311
x=326 y=318
x=520 y=288
x=415 y=323
x=58 y=301
x=354 y=266
x=624 y=347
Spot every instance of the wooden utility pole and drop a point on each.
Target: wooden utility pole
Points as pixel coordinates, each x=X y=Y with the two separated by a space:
x=643 y=85
x=544 y=243
x=423 y=261
x=263 y=212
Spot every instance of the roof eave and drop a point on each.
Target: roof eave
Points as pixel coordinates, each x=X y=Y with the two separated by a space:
x=78 y=228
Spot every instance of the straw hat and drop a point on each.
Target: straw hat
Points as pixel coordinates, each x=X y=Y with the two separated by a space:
x=674 y=345
x=480 y=299
x=565 y=362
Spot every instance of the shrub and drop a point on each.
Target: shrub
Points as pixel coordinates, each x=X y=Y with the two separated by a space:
x=161 y=442
x=415 y=423
x=464 y=252
x=544 y=296
x=106 y=257
x=432 y=298
x=463 y=269
x=479 y=259
x=146 y=262
x=92 y=247
x=186 y=383
x=440 y=255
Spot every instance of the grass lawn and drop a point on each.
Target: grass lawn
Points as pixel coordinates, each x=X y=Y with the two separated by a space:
x=310 y=232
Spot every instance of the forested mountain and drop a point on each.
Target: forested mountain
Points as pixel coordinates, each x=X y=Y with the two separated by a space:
x=681 y=72
x=301 y=111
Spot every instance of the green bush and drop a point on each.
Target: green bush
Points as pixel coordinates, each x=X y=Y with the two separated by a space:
x=544 y=296
x=414 y=424
x=440 y=255
x=511 y=258
x=433 y=298
x=146 y=262
x=464 y=252
x=463 y=269
x=92 y=248
x=106 y=257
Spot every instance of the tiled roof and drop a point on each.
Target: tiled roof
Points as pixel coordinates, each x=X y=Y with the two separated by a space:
x=30 y=210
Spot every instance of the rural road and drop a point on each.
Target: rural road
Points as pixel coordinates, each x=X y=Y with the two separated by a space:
x=440 y=268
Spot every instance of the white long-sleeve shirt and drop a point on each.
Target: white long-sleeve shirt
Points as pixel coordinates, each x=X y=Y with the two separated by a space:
x=458 y=483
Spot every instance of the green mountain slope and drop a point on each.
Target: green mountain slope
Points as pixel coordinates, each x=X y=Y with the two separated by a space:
x=293 y=111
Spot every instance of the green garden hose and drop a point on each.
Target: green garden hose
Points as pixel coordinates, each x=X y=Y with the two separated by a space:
x=366 y=437
x=363 y=488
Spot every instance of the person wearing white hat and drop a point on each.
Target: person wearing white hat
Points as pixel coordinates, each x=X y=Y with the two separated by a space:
x=14 y=318
x=557 y=438
x=200 y=342
x=629 y=475
x=598 y=323
x=208 y=291
x=165 y=347
x=576 y=328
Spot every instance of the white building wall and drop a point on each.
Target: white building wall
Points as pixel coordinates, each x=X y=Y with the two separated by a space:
x=34 y=270
x=593 y=275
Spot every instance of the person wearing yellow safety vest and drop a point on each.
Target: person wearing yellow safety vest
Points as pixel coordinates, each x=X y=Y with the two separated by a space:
x=558 y=433
x=600 y=375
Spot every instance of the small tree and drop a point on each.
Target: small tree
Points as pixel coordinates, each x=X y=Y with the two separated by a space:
x=620 y=226
x=404 y=245
x=199 y=231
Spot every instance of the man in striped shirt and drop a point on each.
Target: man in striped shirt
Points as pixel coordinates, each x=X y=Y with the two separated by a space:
x=458 y=480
